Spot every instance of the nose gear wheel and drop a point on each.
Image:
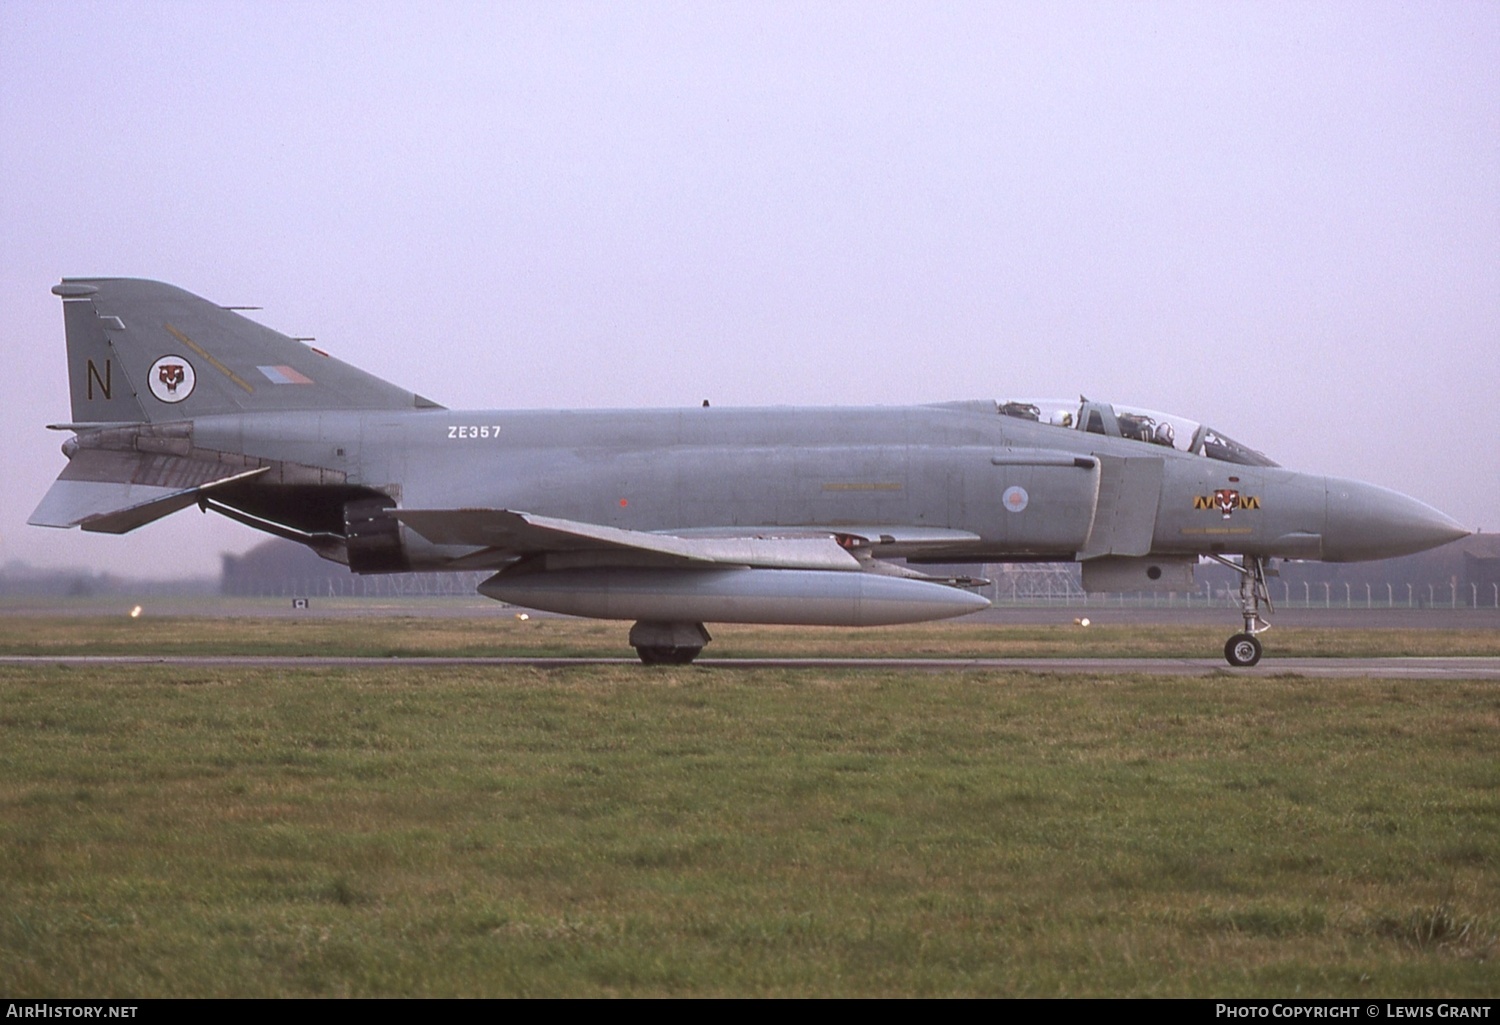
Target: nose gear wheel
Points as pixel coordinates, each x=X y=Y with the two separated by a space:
x=1242 y=650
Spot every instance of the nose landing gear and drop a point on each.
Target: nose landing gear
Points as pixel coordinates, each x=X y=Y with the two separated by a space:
x=1244 y=649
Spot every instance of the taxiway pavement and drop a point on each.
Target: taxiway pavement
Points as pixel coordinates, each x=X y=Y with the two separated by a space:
x=1408 y=668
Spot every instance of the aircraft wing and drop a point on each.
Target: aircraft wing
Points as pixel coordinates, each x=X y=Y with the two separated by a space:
x=114 y=492
x=504 y=530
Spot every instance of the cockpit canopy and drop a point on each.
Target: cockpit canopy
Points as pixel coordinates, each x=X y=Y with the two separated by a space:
x=1135 y=424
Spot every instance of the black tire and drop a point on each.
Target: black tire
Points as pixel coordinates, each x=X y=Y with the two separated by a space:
x=1242 y=650
x=654 y=655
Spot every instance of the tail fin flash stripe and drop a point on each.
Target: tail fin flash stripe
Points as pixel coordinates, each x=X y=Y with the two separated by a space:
x=200 y=350
x=284 y=375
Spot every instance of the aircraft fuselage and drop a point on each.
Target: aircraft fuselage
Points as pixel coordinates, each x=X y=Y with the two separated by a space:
x=923 y=466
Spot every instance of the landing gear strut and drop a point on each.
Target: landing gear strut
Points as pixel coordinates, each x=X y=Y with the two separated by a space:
x=1244 y=649
x=668 y=644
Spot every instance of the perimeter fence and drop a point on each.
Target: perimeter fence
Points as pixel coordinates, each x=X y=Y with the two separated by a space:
x=1009 y=586
x=1012 y=586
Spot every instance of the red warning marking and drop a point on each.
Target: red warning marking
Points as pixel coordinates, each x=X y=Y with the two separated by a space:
x=624 y=502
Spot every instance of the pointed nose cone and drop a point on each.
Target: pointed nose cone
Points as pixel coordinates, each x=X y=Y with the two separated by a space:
x=1370 y=522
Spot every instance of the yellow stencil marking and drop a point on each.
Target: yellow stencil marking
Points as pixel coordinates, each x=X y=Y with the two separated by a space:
x=200 y=350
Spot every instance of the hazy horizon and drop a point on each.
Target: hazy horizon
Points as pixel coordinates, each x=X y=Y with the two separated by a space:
x=1280 y=219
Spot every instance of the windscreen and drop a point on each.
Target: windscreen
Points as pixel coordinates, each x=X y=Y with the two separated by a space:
x=1148 y=426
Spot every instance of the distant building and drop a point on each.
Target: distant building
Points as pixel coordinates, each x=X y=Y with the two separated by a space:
x=1482 y=570
x=272 y=567
x=19 y=580
x=278 y=568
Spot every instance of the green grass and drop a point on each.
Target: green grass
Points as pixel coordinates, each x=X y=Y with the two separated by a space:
x=504 y=634
x=622 y=831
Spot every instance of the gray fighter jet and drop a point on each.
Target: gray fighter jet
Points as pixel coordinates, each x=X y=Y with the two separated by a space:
x=675 y=518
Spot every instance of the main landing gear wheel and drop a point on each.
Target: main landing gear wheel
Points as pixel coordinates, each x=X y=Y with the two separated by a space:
x=659 y=655
x=668 y=644
x=1242 y=650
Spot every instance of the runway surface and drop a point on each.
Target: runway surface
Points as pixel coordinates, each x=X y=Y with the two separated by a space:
x=1432 y=668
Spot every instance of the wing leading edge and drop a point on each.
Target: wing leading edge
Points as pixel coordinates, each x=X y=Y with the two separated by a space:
x=507 y=531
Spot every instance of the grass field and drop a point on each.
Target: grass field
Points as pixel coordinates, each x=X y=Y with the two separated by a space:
x=623 y=831
x=505 y=635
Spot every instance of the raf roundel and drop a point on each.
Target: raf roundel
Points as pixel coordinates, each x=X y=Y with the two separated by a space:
x=171 y=379
x=1015 y=499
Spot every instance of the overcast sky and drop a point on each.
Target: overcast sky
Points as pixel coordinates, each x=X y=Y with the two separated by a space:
x=1280 y=219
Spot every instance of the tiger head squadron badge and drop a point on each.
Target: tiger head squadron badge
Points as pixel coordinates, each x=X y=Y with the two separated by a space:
x=171 y=379
x=1226 y=500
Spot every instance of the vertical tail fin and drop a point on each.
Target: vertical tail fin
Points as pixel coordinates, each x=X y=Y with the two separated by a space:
x=143 y=351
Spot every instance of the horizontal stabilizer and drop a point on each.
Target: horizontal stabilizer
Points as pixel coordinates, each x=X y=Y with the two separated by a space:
x=114 y=492
x=504 y=530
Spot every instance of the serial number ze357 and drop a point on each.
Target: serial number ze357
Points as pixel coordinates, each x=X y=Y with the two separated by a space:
x=466 y=431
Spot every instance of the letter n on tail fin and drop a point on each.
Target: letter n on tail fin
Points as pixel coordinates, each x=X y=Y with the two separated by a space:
x=100 y=386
